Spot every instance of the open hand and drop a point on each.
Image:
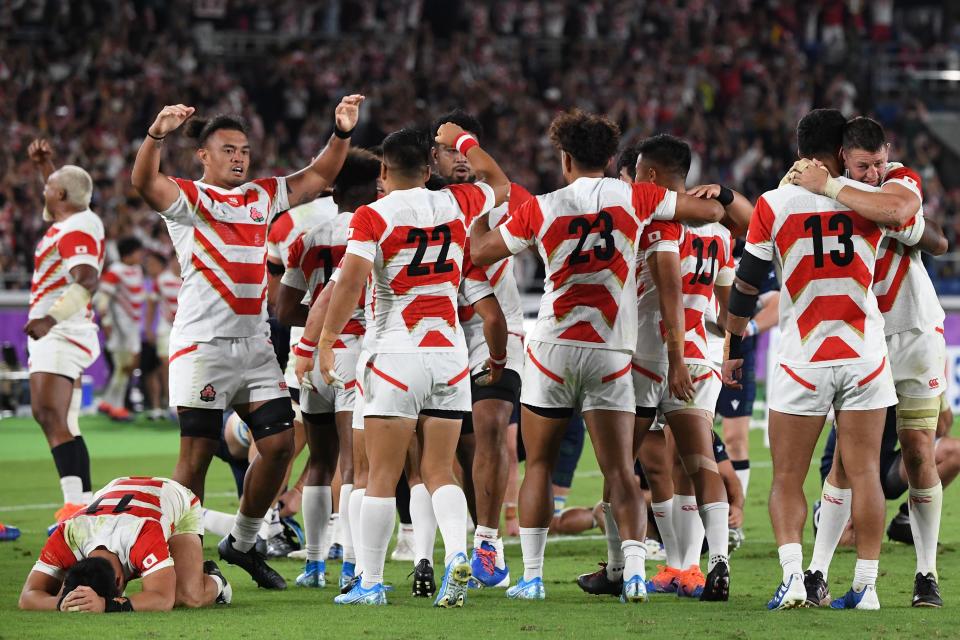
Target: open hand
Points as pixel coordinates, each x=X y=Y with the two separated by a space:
x=348 y=112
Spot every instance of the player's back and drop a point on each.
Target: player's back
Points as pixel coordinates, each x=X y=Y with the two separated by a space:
x=167 y=287
x=825 y=254
x=125 y=283
x=415 y=238
x=706 y=261
x=587 y=236
x=77 y=240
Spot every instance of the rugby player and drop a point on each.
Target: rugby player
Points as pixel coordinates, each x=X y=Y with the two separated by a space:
x=414 y=242
x=220 y=352
x=62 y=335
x=166 y=287
x=578 y=356
x=119 y=303
x=913 y=326
x=831 y=354
x=136 y=527
x=482 y=451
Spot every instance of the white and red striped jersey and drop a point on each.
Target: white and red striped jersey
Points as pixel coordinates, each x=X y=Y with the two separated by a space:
x=825 y=254
x=502 y=279
x=77 y=240
x=905 y=294
x=166 y=288
x=311 y=260
x=221 y=240
x=132 y=517
x=587 y=235
x=123 y=284
x=706 y=260
x=415 y=239
x=291 y=223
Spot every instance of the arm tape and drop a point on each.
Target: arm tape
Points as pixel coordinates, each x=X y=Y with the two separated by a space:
x=753 y=270
x=75 y=298
x=742 y=304
x=118 y=605
x=275 y=269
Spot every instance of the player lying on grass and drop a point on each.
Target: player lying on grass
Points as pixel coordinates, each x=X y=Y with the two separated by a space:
x=136 y=527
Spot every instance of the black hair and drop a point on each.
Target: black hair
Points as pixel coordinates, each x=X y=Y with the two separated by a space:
x=96 y=573
x=359 y=168
x=628 y=160
x=203 y=128
x=459 y=117
x=589 y=138
x=669 y=153
x=864 y=133
x=820 y=133
x=126 y=246
x=156 y=255
x=406 y=152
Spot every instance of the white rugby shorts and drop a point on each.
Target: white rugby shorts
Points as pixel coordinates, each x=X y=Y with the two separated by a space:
x=224 y=372
x=558 y=376
x=124 y=339
x=811 y=391
x=327 y=399
x=918 y=360
x=64 y=352
x=706 y=390
x=404 y=384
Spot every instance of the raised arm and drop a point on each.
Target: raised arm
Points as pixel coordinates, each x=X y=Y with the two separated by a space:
x=484 y=166
x=308 y=183
x=41 y=154
x=158 y=191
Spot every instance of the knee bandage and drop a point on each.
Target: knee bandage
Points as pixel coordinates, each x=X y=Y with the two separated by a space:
x=694 y=463
x=918 y=413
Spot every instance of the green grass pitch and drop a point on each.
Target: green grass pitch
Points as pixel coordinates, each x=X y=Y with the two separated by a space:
x=29 y=493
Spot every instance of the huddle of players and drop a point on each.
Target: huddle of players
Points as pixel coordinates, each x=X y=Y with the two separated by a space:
x=406 y=260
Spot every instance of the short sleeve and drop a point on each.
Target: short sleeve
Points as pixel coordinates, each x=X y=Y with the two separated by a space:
x=474 y=285
x=276 y=189
x=728 y=269
x=365 y=232
x=910 y=233
x=150 y=551
x=184 y=208
x=661 y=236
x=474 y=199
x=56 y=556
x=760 y=231
x=108 y=282
x=293 y=275
x=653 y=201
x=280 y=229
x=906 y=177
x=522 y=227
x=79 y=247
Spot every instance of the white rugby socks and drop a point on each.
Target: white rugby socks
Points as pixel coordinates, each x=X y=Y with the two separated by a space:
x=317 y=505
x=217 y=522
x=72 y=488
x=377 y=517
x=533 y=544
x=663 y=516
x=634 y=554
x=491 y=536
x=688 y=527
x=714 y=516
x=450 y=509
x=791 y=559
x=834 y=514
x=244 y=531
x=865 y=574
x=742 y=469
x=925 y=508
x=424 y=523
x=346 y=535
x=615 y=558
x=356 y=527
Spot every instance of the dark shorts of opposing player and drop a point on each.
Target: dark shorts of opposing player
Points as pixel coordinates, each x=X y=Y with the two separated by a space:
x=738 y=403
x=506 y=389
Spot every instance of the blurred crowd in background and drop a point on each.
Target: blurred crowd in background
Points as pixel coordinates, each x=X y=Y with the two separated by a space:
x=731 y=76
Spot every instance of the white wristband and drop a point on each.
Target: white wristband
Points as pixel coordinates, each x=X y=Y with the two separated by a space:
x=832 y=188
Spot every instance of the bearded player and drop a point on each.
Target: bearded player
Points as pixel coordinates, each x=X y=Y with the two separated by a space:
x=483 y=448
x=220 y=352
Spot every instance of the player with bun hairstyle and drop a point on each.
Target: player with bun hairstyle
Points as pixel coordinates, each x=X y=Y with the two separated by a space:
x=220 y=353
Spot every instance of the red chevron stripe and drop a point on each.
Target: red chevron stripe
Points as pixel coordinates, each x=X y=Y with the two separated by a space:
x=792 y=229
x=806 y=272
x=834 y=348
x=423 y=307
x=240 y=306
x=826 y=308
x=238 y=272
x=886 y=301
x=595 y=296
